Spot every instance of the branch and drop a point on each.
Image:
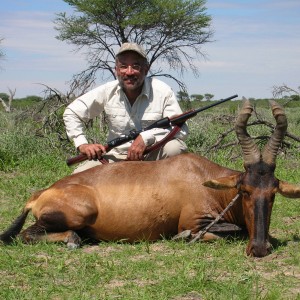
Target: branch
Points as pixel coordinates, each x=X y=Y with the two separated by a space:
x=181 y=84
x=218 y=145
x=6 y=108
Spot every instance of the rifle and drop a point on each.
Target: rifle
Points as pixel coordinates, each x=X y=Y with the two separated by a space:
x=162 y=123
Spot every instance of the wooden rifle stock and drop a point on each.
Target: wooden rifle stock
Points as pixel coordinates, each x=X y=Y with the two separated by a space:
x=76 y=159
x=162 y=123
x=80 y=157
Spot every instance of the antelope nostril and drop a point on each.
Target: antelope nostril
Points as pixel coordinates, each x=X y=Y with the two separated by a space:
x=259 y=249
x=259 y=253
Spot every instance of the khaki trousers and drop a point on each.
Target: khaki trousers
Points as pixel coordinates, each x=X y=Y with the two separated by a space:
x=172 y=148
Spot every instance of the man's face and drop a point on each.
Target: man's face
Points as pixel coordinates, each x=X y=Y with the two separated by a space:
x=131 y=70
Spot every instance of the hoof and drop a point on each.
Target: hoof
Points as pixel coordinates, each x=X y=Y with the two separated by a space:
x=72 y=246
x=72 y=240
x=184 y=235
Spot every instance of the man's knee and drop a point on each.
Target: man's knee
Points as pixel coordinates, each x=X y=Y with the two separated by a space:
x=86 y=165
x=111 y=158
x=172 y=148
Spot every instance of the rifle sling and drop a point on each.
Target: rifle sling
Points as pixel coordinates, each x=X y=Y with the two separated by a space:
x=166 y=139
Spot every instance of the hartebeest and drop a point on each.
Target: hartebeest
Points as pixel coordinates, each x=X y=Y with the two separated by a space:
x=147 y=200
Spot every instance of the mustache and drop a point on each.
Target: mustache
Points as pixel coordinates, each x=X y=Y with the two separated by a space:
x=129 y=77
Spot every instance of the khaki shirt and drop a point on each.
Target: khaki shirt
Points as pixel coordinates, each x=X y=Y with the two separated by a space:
x=156 y=101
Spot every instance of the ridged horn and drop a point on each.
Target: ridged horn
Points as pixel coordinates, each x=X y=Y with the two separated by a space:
x=270 y=150
x=250 y=150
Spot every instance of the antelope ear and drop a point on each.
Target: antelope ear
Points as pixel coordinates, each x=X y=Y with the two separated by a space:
x=223 y=182
x=289 y=190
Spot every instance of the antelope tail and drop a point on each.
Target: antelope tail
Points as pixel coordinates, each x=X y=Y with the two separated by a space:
x=8 y=235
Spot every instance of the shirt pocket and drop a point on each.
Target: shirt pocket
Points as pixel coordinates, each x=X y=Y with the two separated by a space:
x=149 y=118
x=116 y=118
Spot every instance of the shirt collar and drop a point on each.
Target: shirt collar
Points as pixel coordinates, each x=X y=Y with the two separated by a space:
x=146 y=87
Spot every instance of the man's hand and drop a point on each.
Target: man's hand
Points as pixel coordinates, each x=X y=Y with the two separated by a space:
x=136 y=150
x=92 y=151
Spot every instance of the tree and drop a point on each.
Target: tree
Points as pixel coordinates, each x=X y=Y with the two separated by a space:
x=197 y=97
x=286 y=92
x=183 y=96
x=4 y=97
x=184 y=100
x=7 y=106
x=208 y=97
x=171 y=31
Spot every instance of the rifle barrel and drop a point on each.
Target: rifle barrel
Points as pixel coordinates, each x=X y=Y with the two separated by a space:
x=215 y=103
x=185 y=116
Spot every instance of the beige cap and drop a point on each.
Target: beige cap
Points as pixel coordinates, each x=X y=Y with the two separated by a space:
x=132 y=47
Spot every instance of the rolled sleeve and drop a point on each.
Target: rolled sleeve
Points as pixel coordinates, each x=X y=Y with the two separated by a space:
x=74 y=127
x=148 y=137
x=80 y=140
x=80 y=111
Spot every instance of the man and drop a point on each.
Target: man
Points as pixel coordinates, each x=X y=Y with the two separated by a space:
x=133 y=101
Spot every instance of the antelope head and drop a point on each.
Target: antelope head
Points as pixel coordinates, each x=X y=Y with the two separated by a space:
x=258 y=184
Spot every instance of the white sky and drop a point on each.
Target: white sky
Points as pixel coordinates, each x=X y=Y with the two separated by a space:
x=257 y=46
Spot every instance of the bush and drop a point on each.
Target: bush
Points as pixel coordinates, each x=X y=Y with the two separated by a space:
x=20 y=143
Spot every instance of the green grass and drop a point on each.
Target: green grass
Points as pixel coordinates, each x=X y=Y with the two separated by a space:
x=160 y=270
